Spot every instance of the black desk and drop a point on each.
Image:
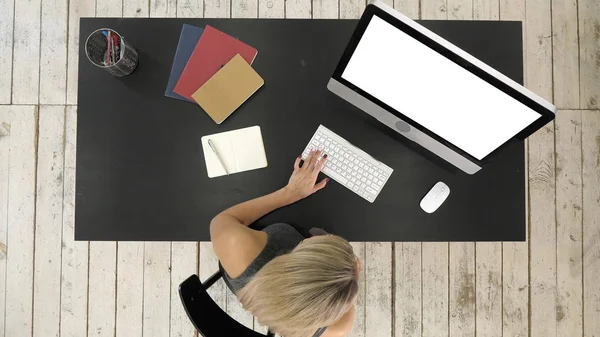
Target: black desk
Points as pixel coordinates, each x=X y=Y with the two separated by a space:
x=141 y=172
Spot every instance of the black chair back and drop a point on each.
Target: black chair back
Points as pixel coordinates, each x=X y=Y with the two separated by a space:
x=208 y=318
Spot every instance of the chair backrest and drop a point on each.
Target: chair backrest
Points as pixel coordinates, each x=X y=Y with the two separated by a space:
x=208 y=318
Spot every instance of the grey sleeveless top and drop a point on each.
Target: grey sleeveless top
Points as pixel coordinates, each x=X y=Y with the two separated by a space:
x=282 y=239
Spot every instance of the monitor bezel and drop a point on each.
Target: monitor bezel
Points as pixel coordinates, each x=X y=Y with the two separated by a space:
x=546 y=115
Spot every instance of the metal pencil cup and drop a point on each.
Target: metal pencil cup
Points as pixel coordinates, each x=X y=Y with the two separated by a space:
x=117 y=56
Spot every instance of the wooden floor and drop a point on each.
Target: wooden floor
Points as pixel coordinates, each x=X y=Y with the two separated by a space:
x=51 y=285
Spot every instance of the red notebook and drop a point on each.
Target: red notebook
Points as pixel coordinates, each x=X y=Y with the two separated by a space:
x=214 y=50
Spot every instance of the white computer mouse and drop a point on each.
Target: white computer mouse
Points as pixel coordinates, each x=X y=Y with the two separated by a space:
x=435 y=197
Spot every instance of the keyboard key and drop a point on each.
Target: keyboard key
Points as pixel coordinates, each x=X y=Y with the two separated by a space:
x=382 y=177
x=337 y=177
x=370 y=190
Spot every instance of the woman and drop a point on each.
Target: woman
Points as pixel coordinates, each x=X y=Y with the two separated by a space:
x=298 y=287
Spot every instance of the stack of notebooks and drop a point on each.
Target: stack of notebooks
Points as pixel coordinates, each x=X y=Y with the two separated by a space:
x=214 y=70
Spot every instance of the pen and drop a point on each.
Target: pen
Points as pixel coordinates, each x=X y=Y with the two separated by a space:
x=108 y=53
x=214 y=149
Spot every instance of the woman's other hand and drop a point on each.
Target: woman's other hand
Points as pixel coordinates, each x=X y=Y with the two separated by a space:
x=303 y=181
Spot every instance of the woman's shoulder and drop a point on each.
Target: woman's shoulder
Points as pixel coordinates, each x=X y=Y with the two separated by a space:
x=240 y=249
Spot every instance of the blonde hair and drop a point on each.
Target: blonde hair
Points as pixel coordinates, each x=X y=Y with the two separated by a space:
x=311 y=287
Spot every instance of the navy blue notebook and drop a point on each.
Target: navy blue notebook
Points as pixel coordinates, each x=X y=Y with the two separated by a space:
x=187 y=42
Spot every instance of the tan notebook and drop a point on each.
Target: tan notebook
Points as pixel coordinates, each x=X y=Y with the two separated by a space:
x=231 y=86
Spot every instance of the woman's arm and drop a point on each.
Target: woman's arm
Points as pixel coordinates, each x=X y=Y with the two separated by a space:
x=302 y=183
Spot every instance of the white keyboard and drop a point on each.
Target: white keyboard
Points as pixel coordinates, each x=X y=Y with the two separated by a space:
x=349 y=165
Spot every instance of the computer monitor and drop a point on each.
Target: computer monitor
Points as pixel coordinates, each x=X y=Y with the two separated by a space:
x=432 y=92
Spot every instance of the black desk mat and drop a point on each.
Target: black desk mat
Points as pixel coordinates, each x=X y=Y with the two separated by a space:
x=140 y=167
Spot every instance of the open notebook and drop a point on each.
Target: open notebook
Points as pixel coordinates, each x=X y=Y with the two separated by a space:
x=241 y=150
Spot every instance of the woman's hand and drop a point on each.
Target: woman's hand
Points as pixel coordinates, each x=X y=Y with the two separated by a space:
x=303 y=181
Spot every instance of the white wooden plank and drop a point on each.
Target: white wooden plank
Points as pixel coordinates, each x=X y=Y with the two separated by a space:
x=190 y=8
x=569 y=308
x=433 y=9
x=244 y=8
x=378 y=298
x=102 y=292
x=130 y=289
x=184 y=263
x=351 y=9
x=486 y=9
x=512 y=10
x=489 y=288
x=6 y=50
x=462 y=289
x=21 y=214
x=48 y=221
x=217 y=9
x=460 y=9
x=435 y=289
x=209 y=264
x=591 y=222
x=515 y=294
x=407 y=304
x=4 y=166
x=136 y=8
x=53 y=52
x=74 y=268
x=325 y=9
x=410 y=8
x=515 y=273
x=77 y=9
x=157 y=288
x=298 y=9
x=358 y=329
x=271 y=9
x=163 y=8
x=589 y=53
x=538 y=41
x=543 y=232
x=565 y=53
x=109 y=8
x=26 y=52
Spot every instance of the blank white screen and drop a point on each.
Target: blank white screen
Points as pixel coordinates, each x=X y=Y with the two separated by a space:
x=435 y=92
